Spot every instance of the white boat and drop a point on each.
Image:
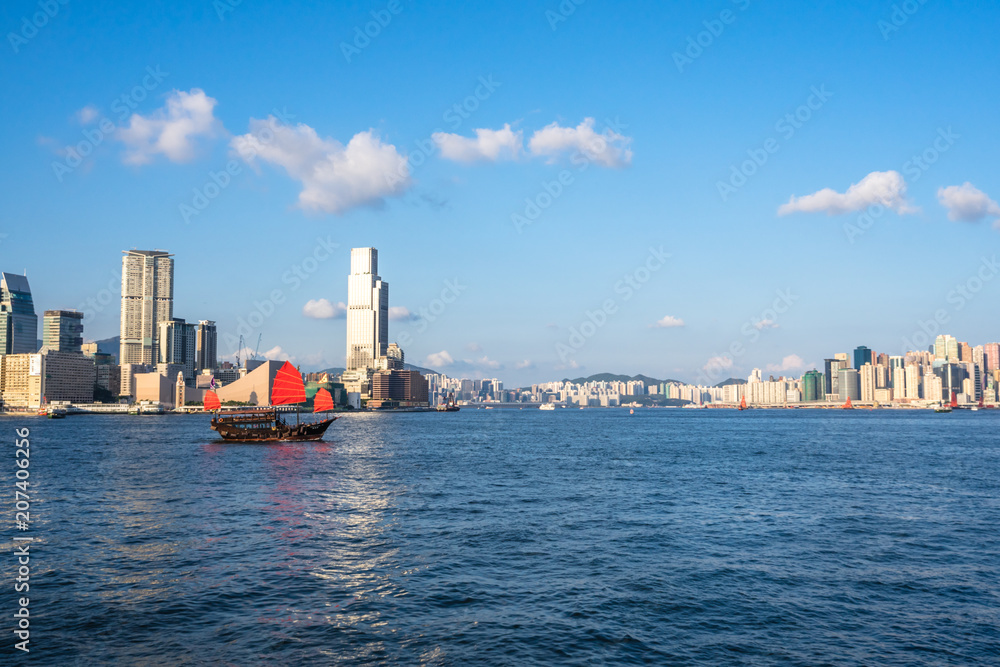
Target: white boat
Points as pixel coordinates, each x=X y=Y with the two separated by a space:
x=547 y=406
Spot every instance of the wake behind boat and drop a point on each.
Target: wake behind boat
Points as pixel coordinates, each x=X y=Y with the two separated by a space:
x=268 y=424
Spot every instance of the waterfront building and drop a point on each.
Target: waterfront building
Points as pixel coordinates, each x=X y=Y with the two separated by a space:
x=31 y=380
x=18 y=322
x=913 y=377
x=899 y=388
x=849 y=385
x=62 y=331
x=813 y=386
x=831 y=368
x=951 y=376
x=127 y=374
x=68 y=376
x=868 y=380
x=147 y=300
x=206 y=346
x=367 y=311
x=398 y=388
x=932 y=387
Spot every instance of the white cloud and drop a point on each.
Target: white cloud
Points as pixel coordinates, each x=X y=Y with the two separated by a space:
x=474 y=347
x=87 y=115
x=967 y=203
x=323 y=309
x=486 y=362
x=489 y=145
x=570 y=365
x=887 y=188
x=439 y=359
x=524 y=365
x=171 y=130
x=334 y=177
x=765 y=324
x=668 y=322
x=277 y=354
x=609 y=149
x=400 y=313
x=790 y=363
x=718 y=363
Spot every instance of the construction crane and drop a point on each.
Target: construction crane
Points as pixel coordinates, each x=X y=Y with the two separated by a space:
x=239 y=349
x=254 y=357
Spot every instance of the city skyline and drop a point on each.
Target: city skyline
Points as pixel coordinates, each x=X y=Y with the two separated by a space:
x=798 y=192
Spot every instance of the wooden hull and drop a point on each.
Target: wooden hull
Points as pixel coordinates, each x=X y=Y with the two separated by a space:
x=273 y=432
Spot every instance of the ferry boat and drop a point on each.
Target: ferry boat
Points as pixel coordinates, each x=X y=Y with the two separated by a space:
x=547 y=406
x=56 y=412
x=268 y=424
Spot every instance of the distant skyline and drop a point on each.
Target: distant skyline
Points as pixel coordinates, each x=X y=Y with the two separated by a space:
x=778 y=179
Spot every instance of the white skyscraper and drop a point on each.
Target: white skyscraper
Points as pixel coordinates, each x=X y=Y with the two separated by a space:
x=147 y=300
x=367 y=311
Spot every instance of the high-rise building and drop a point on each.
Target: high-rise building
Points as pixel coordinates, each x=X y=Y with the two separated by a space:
x=813 y=386
x=991 y=351
x=945 y=350
x=913 y=382
x=177 y=345
x=147 y=300
x=951 y=376
x=62 y=331
x=831 y=367
x=869 y=382
x=964 y=353
x=206 y=346
x=849 y=385
x=367 y=311
x=862 y=356
x=18 y=322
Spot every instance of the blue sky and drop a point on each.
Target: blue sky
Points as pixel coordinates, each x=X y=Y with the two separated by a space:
x=885 y=86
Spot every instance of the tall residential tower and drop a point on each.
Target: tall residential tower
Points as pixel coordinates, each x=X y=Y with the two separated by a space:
x=147 y=300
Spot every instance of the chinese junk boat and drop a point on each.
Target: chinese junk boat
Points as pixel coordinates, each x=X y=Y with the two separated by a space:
x=266 y=424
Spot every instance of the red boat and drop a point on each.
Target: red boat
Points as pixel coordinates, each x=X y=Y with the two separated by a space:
x=266 y=424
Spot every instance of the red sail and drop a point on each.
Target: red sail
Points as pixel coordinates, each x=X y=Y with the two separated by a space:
x=288 y=386
x=323 y=402
x=848 y=405
x=212 y=400
x=954 y=399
